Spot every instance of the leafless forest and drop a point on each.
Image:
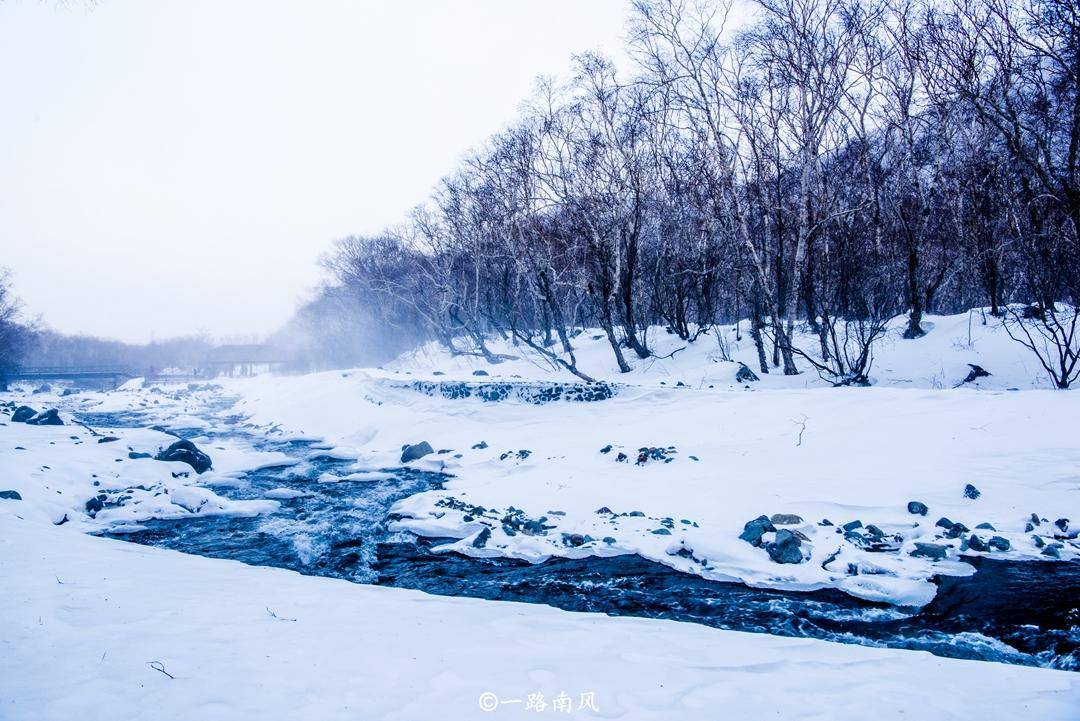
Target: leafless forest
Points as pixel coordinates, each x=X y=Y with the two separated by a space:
x=834 y=163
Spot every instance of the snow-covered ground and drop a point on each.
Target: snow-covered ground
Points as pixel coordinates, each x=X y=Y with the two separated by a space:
x=94 y=628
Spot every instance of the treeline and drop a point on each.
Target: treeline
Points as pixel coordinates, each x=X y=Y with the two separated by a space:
x=829 y=166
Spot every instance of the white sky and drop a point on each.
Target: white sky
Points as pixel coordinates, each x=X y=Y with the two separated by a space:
x=174 y=166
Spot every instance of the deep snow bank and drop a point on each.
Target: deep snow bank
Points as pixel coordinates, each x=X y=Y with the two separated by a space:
x=90 y=627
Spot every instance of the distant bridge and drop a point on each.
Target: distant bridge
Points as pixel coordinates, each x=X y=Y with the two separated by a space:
x=105 y=374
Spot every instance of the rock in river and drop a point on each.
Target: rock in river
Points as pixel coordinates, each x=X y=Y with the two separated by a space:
x=415 y=451
x=186 y=452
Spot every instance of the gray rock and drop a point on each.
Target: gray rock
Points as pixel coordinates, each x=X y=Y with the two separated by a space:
x=971 y=492
x=958 y=529
x=787 y=548
x=1053 y=550
x=134 y=455
x=944 y=522
x=786 y=519
x=933 y=551
x=1062 y=523
x=480 y=373
x=999 y=543
x=977 y=544
x=22 y=414
x=482 y=538
x=852 y=525
x=661 y=532
x=985 y=527
x=917 y=508
x=416 y=451
x=184 y=451
x=573 y=539
x=46 y=418
x=755 y=529
x=10 y=495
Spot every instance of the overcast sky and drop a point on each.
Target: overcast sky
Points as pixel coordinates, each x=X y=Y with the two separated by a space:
x=170 y=167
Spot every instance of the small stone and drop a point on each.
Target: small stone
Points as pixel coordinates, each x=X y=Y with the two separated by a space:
x=482 y=538
x=786 y=519
x=480 y=446
x=971 y=492
x=1062 y=523
x=608 y=540
x=133 y=455
x=94 y=505
x=852 y=525
x=976 y=544
x=22 y=414
x=1028 y=528
x=755 y=529
x=1038 y=541
x=10 y=495
x=999 y=543
x=606 y=449
x=1053 y=550
x=875 y=531
x=958 y=529
x=933 y=551
x=107 y=439
x=944 y=522
x=50 y=417
x=603 y=509
x=661 y=532
x=917 y=508
x=786 y=548
x=1035 y=519
x=573 y=539
x=480 y=373
x=185 y=451
x=416 y=451
x=825 y=522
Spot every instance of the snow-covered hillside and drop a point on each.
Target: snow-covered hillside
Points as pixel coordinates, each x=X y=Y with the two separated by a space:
x=937 y=360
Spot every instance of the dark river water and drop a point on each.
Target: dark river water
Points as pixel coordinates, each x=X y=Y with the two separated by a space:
x=1013 y=612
